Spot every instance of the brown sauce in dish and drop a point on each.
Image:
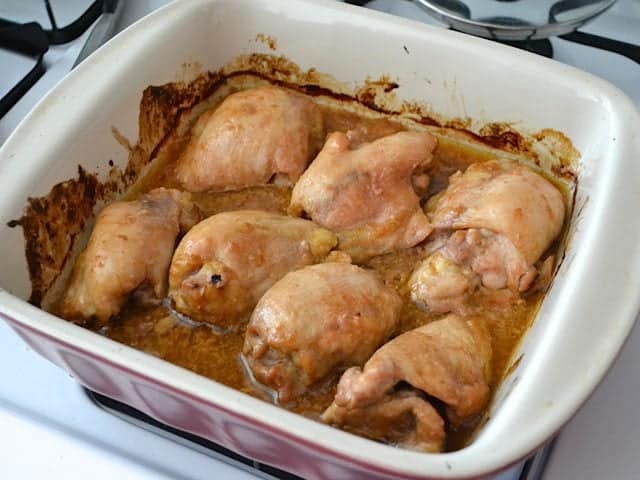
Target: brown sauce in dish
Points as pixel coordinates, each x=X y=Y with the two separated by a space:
x=217 y=356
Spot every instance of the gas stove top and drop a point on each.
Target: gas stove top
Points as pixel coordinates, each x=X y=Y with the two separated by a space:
x=51 y=427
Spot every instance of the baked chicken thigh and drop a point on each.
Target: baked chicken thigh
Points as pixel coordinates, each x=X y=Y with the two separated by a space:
x=225 y=263
x=367 y=195
x=448 y=359
x=254 y=137
x=130 y=247
x=504 y=217
x=317 y=320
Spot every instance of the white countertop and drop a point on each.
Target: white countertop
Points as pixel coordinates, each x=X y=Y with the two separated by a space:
x=602 y=440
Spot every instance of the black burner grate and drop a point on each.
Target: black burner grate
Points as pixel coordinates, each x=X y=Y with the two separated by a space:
x=32 y=40
x=543 y=46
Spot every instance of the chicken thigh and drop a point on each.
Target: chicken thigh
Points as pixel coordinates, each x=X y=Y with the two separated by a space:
x=130 y=247
x=367 y=194
x=315 y=321
x=505 y=216
x=507 y=198
x=253 y=137
x=225 y=263
x=448 y=359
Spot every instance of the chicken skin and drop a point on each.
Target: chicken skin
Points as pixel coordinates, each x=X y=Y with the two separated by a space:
x=507 y=198
x=504 y=217
x=129 y=250
x=367 y=195
x=225 y=263
x=403 y=418
x=316 y=321
x=253 y=137
x=469 y=259
x=448 y=359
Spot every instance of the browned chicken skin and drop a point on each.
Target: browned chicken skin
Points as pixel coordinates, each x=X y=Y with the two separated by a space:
x=448 y=359
x=130 y=247
x=367 y=195
x=505 y=217
x=467 y=260
x=507 y=198
x=316 y=320
x=251 y=138
x=225 y=263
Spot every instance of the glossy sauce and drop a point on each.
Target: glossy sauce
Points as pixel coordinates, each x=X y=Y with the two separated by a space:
x=155 y=331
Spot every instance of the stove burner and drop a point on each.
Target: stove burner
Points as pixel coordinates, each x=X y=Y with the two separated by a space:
x=541 y=47
x=28 y=39
x=515 y=20
x=523 y=34
x=32 y=40
x=508 y=21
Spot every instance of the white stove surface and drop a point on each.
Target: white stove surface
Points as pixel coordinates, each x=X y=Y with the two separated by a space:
x=49 y=427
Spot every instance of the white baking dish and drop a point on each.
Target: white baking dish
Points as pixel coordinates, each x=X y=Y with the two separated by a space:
x=579 y=330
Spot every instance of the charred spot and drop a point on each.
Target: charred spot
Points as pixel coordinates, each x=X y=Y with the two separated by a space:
x=390 y=87
x=367 y=97
x=37 y=205
x=500 y=136
x=215 y=279
x=162 y=93
x=89 y=184
x=110 y=162
x=426 y=120
x=317 y=90
x=504 y=140
x=71 y=214
x=13 y=223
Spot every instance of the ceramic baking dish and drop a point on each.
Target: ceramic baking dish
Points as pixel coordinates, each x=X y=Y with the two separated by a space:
x=580 y=327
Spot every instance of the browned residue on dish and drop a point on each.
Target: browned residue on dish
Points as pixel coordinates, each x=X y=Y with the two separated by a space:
x=374 y=89
x=51 y=225
x=459 y=123
x=121 y=139
x=566 y=154
x=161 y=108
x=268 y=40
x=501 y=135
